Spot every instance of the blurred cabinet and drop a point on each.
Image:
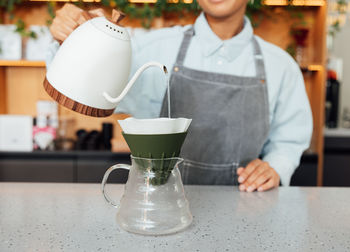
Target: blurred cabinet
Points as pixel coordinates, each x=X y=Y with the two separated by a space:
x=29 y=170
x=91 y=170
x=306 y=173
x=61 y=166
x=89 y=167
x=337 y=161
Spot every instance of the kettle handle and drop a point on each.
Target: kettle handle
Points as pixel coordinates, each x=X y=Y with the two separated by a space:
x=133 y=79
x=104 y=181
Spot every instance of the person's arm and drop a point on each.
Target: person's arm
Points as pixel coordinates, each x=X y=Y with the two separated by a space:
x=291 y=127
x=290 y=134
x=51 y=52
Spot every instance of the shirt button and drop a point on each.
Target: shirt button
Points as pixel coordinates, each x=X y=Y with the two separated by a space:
x=176 y=69
x=220 y=62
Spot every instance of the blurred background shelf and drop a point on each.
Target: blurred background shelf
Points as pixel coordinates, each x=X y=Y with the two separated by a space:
x=315 y=3
x=266 y=2
x=89 y=167
x=85 y=1
x=61 y=166
x=21 y=63
x=312 y=68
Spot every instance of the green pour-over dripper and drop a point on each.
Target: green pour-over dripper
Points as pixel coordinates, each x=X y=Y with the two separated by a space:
x=155 y=146
x=161 y=148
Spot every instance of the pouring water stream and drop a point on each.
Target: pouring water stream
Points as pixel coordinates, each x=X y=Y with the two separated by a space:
x=168 y=91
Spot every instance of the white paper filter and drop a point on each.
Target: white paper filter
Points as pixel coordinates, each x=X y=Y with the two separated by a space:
x=154 y=126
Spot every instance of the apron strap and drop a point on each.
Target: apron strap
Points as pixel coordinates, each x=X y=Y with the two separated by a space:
x=258 y=57
x=259 y=60
x=184 y=46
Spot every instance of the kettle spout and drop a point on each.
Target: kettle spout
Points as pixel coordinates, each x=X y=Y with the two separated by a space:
x=133 y=79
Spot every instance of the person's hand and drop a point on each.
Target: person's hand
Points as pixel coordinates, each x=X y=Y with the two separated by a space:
x=257 y=175
x=70 y=17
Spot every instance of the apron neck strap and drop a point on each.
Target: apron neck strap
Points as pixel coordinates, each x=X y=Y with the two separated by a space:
x=259 y=60
x=184 y=46
x=258 y=57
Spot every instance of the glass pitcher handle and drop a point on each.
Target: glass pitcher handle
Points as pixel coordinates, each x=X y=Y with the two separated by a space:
x=104 y=181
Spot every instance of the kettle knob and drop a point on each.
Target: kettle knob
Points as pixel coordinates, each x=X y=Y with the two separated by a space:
x=117 y=16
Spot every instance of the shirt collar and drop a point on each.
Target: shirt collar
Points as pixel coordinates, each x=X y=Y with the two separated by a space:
x=211 y=43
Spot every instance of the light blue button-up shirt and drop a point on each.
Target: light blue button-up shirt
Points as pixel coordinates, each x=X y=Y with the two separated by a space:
x=290 y=114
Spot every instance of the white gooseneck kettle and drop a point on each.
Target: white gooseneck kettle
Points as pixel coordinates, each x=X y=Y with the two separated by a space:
x=92 y=66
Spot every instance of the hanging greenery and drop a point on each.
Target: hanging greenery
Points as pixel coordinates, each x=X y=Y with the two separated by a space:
x=9 y=7
x=341 y=9
x=21 y=29
x=145 y=12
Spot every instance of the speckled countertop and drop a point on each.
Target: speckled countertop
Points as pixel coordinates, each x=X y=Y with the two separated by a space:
x=75 y=217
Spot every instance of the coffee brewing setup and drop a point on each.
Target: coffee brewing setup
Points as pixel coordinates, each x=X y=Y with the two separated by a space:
x=89 y=75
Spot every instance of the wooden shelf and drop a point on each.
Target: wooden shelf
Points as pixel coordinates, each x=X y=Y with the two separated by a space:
x=98 y=1
x=22 y=63
x=295 y=2
x=312 y=68
x=28 y=63
x=85 y=1
x=266 y=2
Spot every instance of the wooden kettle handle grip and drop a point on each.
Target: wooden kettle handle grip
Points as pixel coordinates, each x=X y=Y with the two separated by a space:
x=117 y=16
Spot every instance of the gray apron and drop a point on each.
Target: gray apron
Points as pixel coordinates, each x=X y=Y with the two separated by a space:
x=230 y=118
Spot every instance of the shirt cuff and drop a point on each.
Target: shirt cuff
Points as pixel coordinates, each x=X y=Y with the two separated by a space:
x=51 y=52
x=282 y=165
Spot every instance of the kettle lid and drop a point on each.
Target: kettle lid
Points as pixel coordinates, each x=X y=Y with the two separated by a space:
x=111 y=26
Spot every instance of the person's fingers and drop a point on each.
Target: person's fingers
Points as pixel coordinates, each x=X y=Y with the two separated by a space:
x=68 y=26
x=60 y=30
x=69 y=22
x=60 y=36
x=69 y=7
x=248 y=170
x=268 y=185
x=97 y=12
x=255 y=174
x=261 y=179
x=65 y=21
x=82 y=17
x=75 y=13
x=55 y=28
x=240 y=170
x=69 y=11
